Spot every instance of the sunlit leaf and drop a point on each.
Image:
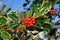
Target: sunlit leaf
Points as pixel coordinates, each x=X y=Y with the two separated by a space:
x=30 y=38
x=2 y=21
x=12 y=15
x=5 y=35
x=41 y=10
x=29 y=13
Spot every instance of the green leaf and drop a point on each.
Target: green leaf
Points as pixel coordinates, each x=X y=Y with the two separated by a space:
x=5 y=35
x=38 y=13
x=30 y=38
x=38 y=28
x=12 y=25
x=55 y=1
x=13 y=15
x=34 y=7
x=41 y=21
x=31 y=28
x=29 y=13
x=2 y=21
x=41 y=10
x=3 y=7
x=8 y=10
x=47 y=25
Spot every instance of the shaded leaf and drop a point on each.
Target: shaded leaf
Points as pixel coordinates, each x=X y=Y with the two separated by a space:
x=8 y=10
x=12 y=25
x=15 y=38
x=37 y=28
x=41 y=21
x=30 y=28
x=46 y=25
x=34 y=7
x=54 y=2
x=1 y=38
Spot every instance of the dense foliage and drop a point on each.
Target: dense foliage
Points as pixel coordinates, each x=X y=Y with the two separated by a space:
x=37 y=18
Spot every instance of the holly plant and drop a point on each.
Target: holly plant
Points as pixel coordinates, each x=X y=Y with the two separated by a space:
x=14 y=25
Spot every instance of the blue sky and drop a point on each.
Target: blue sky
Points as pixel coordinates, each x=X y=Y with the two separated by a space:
x=14 y=4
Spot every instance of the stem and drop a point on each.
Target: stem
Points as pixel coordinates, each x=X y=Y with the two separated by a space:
x=22 y=36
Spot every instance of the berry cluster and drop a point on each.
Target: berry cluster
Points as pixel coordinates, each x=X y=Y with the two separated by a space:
x=52 y=11
x=29 y=21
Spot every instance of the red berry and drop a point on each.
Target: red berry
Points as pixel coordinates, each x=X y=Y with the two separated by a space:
x=25 y=19
x=33 y=19
x=28 y=25
x=26 y=22
x=31 y=24
x=30 y=21
x=52 y=11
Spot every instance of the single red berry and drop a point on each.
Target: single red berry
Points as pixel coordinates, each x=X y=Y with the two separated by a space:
x=30 y=21
x=52 y=11
x=25 y=19
x=33 y=19
x=28 y=25
x=26 y=22
x=32 y=24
